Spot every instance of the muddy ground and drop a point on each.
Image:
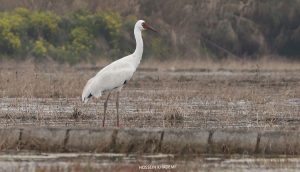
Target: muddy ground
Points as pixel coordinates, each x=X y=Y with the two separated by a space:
x=190 y=98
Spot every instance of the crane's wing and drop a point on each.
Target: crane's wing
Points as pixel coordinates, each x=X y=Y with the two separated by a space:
x=106 y=80
x=110 y=80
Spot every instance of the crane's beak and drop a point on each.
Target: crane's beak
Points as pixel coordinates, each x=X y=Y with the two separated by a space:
x=147 y=27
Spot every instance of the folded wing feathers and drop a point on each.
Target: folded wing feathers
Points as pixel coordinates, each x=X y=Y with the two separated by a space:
x=111 y=77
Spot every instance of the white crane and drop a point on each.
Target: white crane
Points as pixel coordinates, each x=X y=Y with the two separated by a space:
x=115 y=75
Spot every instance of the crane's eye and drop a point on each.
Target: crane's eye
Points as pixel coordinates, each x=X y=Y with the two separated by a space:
x=143 y=24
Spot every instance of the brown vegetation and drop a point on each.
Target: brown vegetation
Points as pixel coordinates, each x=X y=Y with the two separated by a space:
x=226 y=95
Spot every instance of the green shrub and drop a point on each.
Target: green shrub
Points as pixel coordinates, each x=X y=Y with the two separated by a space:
x=73 y=37
x=43 y=24
x=40 y=48
x=112 y=24
x=10 y=27
x=82 y=40
x=109 y=26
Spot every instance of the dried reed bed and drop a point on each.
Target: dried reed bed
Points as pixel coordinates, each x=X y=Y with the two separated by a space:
x=270 y=63
x=203 y=94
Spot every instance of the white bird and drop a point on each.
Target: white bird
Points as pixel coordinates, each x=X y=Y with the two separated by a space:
x=115 y=75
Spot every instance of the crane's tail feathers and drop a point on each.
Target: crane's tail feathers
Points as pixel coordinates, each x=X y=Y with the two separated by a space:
x=90 y=91
x=85 y=99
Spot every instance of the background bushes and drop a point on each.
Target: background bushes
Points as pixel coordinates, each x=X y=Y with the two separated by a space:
x=85 y=30
x=73 y=37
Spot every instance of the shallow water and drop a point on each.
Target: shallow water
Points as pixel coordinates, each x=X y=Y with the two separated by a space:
x=62 y=162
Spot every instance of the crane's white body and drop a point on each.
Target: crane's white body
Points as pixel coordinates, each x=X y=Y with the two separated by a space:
x=116 y=74
x=111 y=77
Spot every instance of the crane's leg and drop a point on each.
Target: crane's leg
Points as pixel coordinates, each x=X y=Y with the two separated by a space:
x=105 y=107
x=117 y=105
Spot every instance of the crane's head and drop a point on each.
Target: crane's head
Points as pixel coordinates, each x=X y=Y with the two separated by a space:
x=142 y=25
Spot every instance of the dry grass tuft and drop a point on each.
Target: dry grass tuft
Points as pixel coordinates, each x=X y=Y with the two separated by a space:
x=76 y=113
x=174 y=116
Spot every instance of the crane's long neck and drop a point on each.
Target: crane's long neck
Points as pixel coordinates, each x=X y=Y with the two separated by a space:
x=137 y=55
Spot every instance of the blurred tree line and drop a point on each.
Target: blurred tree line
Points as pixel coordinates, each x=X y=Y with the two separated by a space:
x=73 y=37
x=77 y=30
